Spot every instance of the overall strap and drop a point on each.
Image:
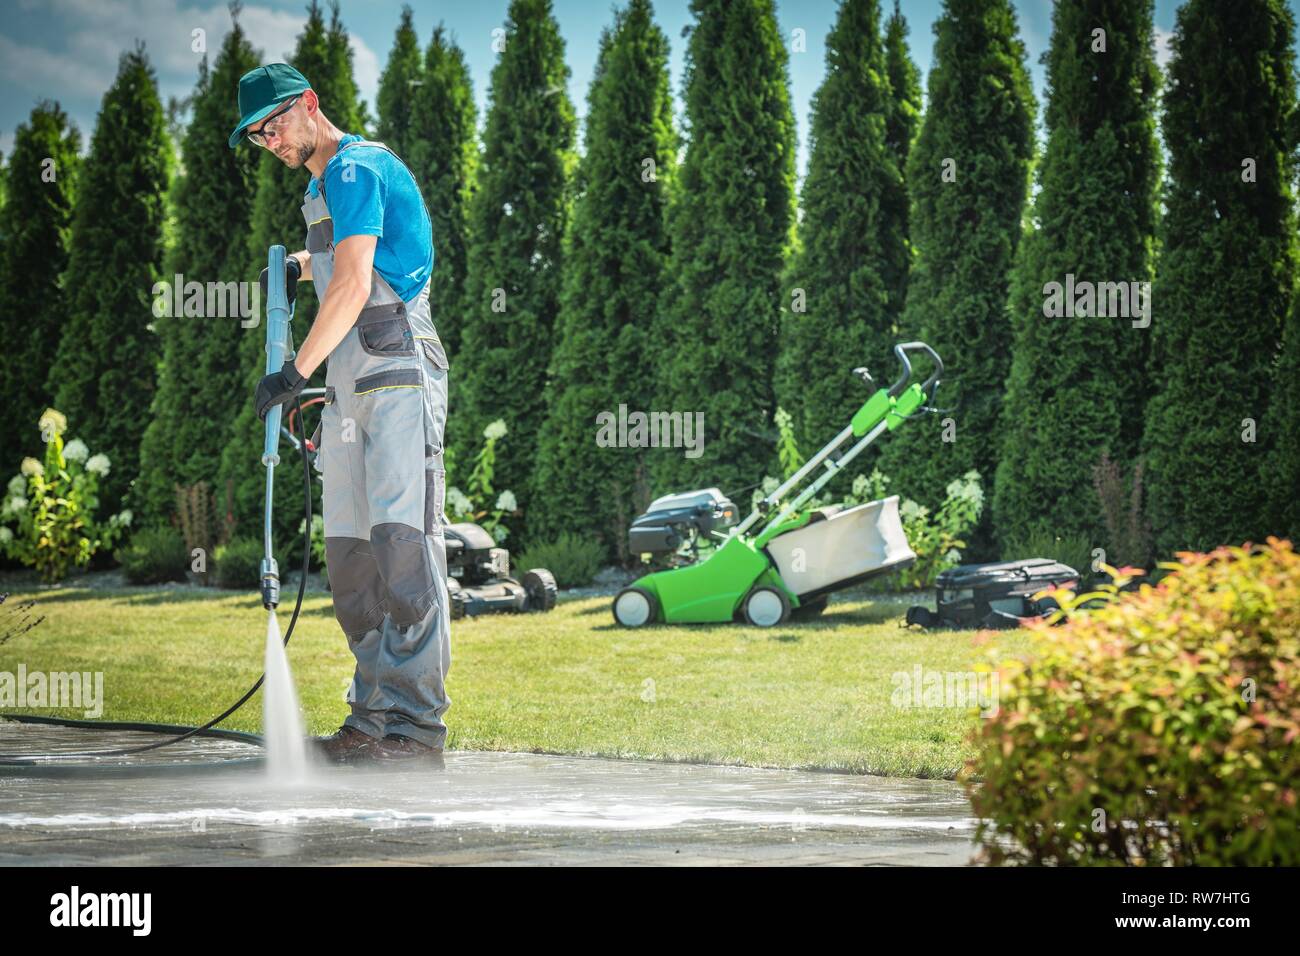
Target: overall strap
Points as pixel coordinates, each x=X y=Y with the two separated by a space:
x=386 y=148
x=358 y=142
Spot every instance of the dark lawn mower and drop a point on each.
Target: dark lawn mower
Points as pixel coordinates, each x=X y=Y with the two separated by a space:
x=478 y=576
x=478 y=572
x=1001 y=595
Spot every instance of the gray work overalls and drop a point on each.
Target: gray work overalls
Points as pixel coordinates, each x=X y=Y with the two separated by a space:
x=384 y=491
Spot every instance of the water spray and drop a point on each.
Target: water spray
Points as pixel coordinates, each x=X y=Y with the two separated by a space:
x=278 y=348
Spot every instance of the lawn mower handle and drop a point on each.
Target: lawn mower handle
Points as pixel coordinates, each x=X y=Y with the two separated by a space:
x=901 y=351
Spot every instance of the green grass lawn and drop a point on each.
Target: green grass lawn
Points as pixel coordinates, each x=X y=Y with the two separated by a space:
x=806 y=695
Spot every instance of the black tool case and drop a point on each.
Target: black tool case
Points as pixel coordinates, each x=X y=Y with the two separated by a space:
x=994 y=595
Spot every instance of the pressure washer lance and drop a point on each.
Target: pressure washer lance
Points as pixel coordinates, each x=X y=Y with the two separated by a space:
x=278 y=348
x=278 y=351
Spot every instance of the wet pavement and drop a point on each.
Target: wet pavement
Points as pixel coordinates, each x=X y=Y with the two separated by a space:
x=212 y=803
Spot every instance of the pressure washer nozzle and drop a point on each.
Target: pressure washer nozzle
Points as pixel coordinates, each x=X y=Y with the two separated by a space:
x=270 y=584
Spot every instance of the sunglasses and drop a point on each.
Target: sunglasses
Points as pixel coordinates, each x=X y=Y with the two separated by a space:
x=259 y=135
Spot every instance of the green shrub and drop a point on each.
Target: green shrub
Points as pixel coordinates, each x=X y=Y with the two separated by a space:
x=153 y=556
x=238 y=564
x=787 y=449
x=573 y=559
x=866 y=488
x=53 y=505
x=938 y=538
x=1157 y=729
x=479 y=503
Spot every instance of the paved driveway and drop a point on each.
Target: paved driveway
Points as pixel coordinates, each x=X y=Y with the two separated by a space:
x=215 y=805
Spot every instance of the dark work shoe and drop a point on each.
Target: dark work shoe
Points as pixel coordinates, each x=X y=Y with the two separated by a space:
x=399 y=747
x=345 y=746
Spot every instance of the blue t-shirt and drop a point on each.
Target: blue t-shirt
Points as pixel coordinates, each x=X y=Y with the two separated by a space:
x=371 y=193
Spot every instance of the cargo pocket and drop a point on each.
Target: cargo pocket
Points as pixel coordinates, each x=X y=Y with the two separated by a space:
x=320 y=235
x=387 y=338
x=396 y=378
x=434 y=352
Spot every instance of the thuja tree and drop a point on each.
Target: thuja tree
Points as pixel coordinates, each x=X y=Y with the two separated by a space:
x=847 y=279
x=444 y=159
x=398 y=88
x=34 y=225
x=1226 y=278
x=729 y=226
x=904 y=118
x=103 y=374
x=1075 y=389
x=517 y=221
x=200 y=381
x=968 y=177
x=614 y=264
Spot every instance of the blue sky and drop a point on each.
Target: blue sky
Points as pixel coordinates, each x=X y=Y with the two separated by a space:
x=68 y=49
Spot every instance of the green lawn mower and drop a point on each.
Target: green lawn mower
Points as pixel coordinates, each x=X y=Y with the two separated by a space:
x=781 y=560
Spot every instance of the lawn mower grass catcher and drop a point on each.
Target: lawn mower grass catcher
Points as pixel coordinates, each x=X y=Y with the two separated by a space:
x=780 y=560
x=478 y=572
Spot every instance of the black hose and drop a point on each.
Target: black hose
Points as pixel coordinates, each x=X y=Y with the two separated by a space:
x=11 y=760
x=219 y=733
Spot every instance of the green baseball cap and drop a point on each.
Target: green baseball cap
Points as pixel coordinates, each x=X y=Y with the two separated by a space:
x=262 y=90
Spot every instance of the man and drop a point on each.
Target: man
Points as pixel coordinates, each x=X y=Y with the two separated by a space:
x=370 y=254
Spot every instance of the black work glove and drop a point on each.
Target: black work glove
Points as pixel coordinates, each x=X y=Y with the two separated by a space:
x=277 y=388
x=292 y=273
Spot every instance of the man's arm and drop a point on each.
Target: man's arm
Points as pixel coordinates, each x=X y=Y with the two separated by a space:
x=348 y=290
x=304 y=264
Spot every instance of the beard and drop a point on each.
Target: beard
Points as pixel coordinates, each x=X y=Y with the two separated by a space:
x=296 y=156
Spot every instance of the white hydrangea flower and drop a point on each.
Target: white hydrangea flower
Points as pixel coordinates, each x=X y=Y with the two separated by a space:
x=98 y=465
x=6 y=535
x=52 y=423
x=506 y=501
x=496 y=430
x=500 y=533
x=17 y=485
x=76 y=450
x=15 y=506
x=457 y=502
x=125 y=517
x=967 y=487
x=32 y=467
x=909 y=509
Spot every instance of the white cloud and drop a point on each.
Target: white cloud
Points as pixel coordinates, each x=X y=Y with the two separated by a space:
x=1164 y=51
x=96 y=32
x=366 y=70
x=39 y=71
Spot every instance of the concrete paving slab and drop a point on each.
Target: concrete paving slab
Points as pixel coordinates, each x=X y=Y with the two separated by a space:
x=218 y=807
